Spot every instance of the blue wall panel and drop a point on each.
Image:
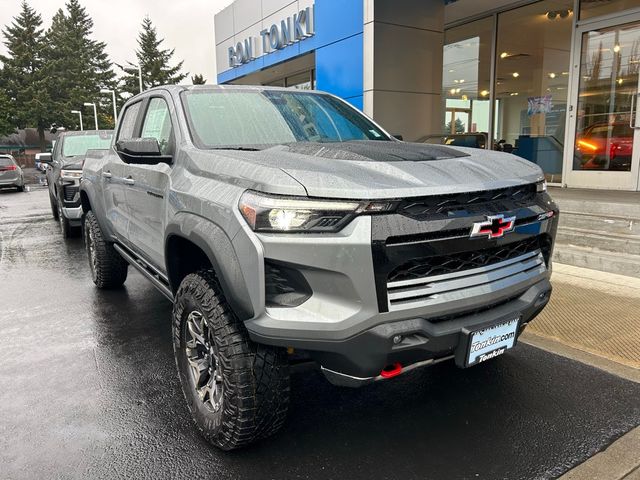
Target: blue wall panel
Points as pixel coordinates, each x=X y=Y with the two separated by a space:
x=337 y=20
x=339 y=67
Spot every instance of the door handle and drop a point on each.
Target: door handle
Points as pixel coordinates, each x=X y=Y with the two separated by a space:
x=106 y=175
x=128 y=181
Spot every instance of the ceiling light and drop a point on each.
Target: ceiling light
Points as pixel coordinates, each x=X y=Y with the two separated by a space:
x=451 y=71
x=457 y=90
x=514 y=94
x=616 y=48
x=620 y=81
x=484 y=93
x=462 y=80
x=565 y=73
x=465 y=98
x=552 y=75
x=504 y=55
x=515 y=74
x=452 y=91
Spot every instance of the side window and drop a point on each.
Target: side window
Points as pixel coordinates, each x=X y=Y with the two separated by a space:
x=128 y=121
x=157 y=124
x=55 y=153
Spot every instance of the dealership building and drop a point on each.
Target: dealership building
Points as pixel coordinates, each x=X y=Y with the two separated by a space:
x=553 y=81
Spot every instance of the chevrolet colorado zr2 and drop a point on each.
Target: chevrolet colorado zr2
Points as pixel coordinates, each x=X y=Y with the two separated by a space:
x=283 y=223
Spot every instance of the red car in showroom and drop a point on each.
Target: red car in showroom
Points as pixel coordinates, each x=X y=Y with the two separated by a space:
x=605 y=146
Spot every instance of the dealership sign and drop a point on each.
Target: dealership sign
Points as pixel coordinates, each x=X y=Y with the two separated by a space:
x=279 y=35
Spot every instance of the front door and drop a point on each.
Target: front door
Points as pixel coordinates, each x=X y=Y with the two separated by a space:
x=149 y=186
x=604 y=146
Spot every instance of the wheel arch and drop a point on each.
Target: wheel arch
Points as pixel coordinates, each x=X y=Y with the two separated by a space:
x=187 y=250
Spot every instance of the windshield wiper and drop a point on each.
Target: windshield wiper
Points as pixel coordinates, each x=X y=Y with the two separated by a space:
x=242 y=149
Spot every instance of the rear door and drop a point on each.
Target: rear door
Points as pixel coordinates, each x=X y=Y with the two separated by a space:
x=114 y=175
x=149 y=184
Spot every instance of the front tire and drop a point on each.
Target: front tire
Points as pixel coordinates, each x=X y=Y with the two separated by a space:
x=65 y=227
x=108 y=268
x=237 y=391
x=54 y=207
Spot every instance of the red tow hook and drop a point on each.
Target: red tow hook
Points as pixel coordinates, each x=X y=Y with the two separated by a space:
x=391 y=371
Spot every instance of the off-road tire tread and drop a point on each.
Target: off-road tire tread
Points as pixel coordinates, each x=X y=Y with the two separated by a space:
x=256 y=377
x=112 y=269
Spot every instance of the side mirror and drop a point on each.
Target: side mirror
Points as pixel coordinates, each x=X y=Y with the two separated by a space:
x=43 y=157
x=398 y=137
x=141 y=150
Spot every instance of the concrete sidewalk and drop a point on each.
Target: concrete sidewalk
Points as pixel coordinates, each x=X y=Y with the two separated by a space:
x=593 y=311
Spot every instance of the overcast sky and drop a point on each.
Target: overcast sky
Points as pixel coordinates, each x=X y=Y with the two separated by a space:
x=186 y=25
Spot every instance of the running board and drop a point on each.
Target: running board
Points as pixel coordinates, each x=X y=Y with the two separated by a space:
x=145 y=269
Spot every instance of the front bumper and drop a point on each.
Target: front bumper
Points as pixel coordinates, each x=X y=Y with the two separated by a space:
x=349 y=321
x=417 y=342
x=72 y=213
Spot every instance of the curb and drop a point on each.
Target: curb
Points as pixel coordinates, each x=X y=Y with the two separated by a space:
x=619 y=461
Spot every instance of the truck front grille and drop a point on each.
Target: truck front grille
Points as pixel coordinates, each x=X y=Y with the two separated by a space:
x=447 y=278
x=69 y=192
x=501 y=198
x=461 y=261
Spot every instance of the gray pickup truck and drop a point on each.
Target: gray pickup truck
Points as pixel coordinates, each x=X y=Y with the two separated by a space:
x=285 y=225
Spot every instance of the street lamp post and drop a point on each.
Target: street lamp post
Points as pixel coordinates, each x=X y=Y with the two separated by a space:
x=113 y=97
x=95 y=111
x=80 y=114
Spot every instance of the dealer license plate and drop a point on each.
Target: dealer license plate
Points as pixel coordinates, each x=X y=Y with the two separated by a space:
x=491 y=341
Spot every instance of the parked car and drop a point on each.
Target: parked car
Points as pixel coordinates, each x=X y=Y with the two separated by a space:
x=283 y=222
x=11 y=174
x=605 y=146
x=473 y=140
x=41 y=166
x=63 y=176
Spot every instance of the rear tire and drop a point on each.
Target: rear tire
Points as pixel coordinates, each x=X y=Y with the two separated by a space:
x=108 y=268
x=237 y=391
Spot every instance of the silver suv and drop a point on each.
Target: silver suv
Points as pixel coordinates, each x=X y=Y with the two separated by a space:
x=285 y=224
x=11 y=174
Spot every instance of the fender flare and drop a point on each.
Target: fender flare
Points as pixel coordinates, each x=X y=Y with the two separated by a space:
x=205 y=234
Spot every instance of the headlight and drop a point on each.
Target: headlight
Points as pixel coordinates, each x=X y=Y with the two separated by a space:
x=70 y=174
x=541 y=186
x=271 y=213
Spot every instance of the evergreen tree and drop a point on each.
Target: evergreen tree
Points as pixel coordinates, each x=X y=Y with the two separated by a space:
x=154 y=61
x=7 y=124
x=198 y=79
x=78 y=65
x=25 y=85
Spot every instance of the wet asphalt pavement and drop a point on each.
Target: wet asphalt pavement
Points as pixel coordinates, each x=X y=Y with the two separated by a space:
x=88 y=389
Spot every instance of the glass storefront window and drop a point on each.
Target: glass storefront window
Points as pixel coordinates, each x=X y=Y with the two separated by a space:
x=466 y=78
x=299 y=81
x=597 y=8
x=608 y=83
x=532 y=78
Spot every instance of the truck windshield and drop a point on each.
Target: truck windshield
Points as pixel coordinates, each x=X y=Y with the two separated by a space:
x=75 y=145
x=245 y=118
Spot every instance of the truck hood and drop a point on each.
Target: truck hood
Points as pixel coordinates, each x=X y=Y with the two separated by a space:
x=376 y=169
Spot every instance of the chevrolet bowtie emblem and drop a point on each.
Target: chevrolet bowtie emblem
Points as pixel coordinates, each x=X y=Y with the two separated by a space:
x=494 y=227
